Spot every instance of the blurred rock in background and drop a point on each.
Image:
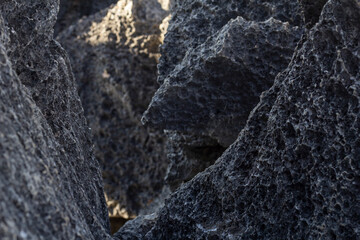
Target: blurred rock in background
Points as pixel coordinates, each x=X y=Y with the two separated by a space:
x=114 y=56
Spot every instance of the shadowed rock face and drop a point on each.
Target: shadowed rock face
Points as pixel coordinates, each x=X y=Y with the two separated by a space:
x=72 y=10
x=216 y=60
x=116 y=73
x=50 y=183
x=188 y=155
x=293 y=171
x=312 y=11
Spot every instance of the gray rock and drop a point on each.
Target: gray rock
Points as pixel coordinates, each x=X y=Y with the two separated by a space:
x=116 y=74
x=137 y=228
x=211 y=91
x=311 y=11
x=72 y=10
x=189 y=154
x=50 y=183
x=293 y=173
x=193 y=22
x=218 y=83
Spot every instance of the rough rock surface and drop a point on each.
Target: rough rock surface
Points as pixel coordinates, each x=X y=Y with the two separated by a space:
x=293 y=173
x=137 y=228
x=216 y=60
x=218 y=83
x=116 y=73
x=188 y=155
x=50 y=183
x=311 y=11
x=193 y=22
x=72 y=10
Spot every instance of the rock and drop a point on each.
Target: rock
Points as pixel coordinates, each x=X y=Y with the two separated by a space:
x=189 y=154
x=212 y=76
x=50 y=183
x=137 y=228
x=217 y=84
x=116 y=74
x=72 y=10
x=193 y=22
x=311 y=11
x=293 y=172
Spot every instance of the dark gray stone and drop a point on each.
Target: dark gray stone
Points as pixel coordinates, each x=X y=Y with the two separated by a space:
x=193 y=22
x=137 y=228
x=221 y=69
x=293 y=173
x=50 y=183
x=311 y=11
x=116 y=73
x=218 y=83
x=188 y=155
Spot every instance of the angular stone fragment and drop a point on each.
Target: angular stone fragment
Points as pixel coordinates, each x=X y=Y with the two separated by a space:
x=193 y=22
x=137 y=228
x=217 y=84
x=293 y=173
x=116 y=74
x=50 y=183
x=213 y=89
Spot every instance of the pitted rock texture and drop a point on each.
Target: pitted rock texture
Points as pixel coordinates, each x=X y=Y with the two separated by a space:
x=221 y=69
x=217 y=84
x=72 y=10
x=116 y=73
x=50 y=183
x=193 y=22
x=137 y=228
x=188 y=155
x=294 y=171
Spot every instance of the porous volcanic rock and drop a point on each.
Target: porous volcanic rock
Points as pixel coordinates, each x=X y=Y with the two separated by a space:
x=194 y=21
x=218 y=83
x=50 y=183
x=72 y=10
x=216 y=60
x=116 y=73
x=188 y=155
x=293 y=173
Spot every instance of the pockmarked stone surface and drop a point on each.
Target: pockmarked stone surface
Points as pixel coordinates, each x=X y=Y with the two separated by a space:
x=217 y=84
x=50 y=183
x=116 y=73
x=293 y=172
x=217 y=58
x=193 y=22
x=137 y=228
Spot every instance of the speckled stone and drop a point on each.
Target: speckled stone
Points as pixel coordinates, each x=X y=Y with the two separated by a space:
x=50 y=183
x=216 y=60
x=212 y=91
x=293 y=173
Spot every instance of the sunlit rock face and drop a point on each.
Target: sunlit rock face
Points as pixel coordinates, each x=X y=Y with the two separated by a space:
x=217 y=58
x=114 y=54
x=72 y=10
x=293 y=172
x=50 y=183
